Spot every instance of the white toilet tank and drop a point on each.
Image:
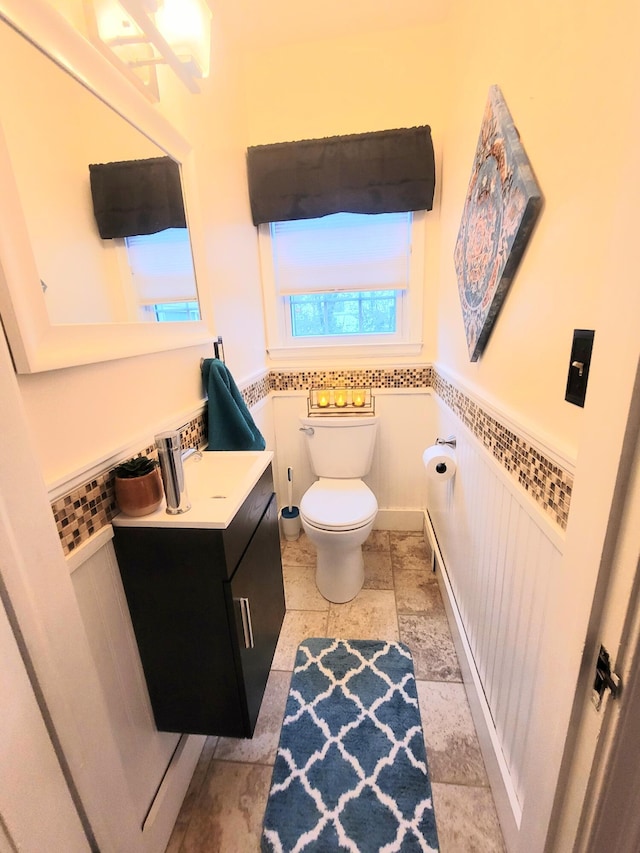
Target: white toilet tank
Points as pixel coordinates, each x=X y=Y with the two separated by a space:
x=340 y=447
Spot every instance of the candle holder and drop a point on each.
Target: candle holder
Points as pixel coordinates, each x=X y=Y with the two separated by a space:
x=340 y=401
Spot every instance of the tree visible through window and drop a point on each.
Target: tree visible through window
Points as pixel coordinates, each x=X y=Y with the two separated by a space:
x=364 y=312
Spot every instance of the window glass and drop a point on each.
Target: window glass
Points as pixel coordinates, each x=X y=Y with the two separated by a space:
x=162 y=274
x=363 y=312
x=344 y=280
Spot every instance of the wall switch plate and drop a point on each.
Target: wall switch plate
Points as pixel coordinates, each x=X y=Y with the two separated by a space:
x=579 y=366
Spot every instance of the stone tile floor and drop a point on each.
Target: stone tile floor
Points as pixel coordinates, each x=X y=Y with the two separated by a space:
x=224 y=806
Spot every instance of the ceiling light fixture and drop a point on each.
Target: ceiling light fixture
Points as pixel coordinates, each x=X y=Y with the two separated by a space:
x=139 y=35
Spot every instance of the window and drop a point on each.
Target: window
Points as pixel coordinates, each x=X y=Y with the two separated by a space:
x=172 y=312
x=343 y=280
x=363 y=312
x=162 y=273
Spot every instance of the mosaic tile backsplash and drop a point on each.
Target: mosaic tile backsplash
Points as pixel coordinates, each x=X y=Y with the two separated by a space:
x=91 y=506
x=399 y=377
x=546 y=482
x=82 y=512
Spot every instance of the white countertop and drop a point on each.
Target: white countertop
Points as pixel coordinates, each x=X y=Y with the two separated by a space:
x=217 y=484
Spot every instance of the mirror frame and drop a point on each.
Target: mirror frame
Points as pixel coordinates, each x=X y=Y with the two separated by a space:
x=36 y=344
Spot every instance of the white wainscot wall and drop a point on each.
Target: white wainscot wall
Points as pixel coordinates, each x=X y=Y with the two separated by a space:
x=498 y=553
x=406 y=427
x=157 y=765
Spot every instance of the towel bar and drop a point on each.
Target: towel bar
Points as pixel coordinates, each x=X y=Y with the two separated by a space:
x=218 y=350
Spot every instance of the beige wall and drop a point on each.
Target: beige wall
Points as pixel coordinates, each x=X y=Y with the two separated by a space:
x=348 y=85
x=568 y=72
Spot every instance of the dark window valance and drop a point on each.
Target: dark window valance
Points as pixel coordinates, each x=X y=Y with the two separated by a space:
x=384 y=172
x=137 y=197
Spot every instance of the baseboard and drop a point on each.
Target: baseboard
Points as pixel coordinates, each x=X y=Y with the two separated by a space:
x=399 y=519
x=162 y=815
x=504 y=796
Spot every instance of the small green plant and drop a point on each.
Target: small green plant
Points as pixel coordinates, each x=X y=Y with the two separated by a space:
x=136 y=467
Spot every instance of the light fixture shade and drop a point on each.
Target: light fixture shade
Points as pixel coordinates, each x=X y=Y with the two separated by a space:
x=137 y=35
x=115 y=26
x=186 y=25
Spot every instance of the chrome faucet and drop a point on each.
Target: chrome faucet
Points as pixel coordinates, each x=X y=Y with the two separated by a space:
x=171 y=458
x=189 y=452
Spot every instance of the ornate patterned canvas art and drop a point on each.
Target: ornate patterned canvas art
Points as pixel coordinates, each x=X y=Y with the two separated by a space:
x=501 y=207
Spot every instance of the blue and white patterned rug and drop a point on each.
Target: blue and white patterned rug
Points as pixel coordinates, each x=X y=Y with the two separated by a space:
x=351 y=769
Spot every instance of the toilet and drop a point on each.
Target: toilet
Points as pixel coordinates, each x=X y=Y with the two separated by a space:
x=339 y=509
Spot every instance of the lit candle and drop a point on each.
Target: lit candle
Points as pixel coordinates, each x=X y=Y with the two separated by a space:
x=341 y=398
x=358 y=398
x=323 y=399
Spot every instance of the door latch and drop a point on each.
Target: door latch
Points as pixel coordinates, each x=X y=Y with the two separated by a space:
x=605 y=679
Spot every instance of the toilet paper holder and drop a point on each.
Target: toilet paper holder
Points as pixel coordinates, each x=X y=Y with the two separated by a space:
x=450 y=442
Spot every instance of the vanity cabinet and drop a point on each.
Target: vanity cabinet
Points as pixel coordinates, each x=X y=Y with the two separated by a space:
x=207 y=606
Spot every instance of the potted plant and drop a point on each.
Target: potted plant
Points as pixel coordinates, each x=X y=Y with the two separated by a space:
x=138 y=486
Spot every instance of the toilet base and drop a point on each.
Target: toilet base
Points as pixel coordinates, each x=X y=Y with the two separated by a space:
x=340 y=573
x=340 y=564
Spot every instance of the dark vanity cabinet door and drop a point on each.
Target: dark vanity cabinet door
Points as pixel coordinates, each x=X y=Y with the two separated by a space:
x=183 y=588
x=255 y=596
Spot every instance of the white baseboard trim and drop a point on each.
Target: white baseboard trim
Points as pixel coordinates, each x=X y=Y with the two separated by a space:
x=504 y=795
x=399 y=519
x=162 y=815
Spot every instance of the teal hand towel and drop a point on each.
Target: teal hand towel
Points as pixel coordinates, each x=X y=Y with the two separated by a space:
x=231 y=426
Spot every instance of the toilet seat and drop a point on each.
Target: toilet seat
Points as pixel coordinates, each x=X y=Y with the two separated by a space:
x=331 y=504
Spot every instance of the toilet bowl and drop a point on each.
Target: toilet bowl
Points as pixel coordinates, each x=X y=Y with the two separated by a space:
x=338 y=516
x=338 y=510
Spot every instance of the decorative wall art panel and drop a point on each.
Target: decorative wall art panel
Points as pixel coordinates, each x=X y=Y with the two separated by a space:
x=501 y=207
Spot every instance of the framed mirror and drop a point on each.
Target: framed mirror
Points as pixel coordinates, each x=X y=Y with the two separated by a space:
x=68 y=296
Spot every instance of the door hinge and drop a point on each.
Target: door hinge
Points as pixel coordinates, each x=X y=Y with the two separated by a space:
x=605 y=679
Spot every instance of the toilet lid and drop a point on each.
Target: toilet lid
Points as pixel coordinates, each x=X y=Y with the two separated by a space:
x=338 y=504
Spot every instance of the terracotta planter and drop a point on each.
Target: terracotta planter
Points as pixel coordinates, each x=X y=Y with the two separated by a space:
x=139 y=495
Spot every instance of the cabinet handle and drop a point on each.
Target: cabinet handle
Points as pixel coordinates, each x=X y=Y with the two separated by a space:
x=247 y=630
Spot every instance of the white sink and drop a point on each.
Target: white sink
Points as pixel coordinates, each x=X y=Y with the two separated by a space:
x=217 y=484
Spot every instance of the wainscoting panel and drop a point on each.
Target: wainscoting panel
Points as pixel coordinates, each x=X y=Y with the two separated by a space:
x=406 y=428
x=501 y=553
x=154 y=762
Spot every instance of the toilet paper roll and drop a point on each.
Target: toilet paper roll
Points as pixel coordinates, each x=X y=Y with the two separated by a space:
x=439 y=462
